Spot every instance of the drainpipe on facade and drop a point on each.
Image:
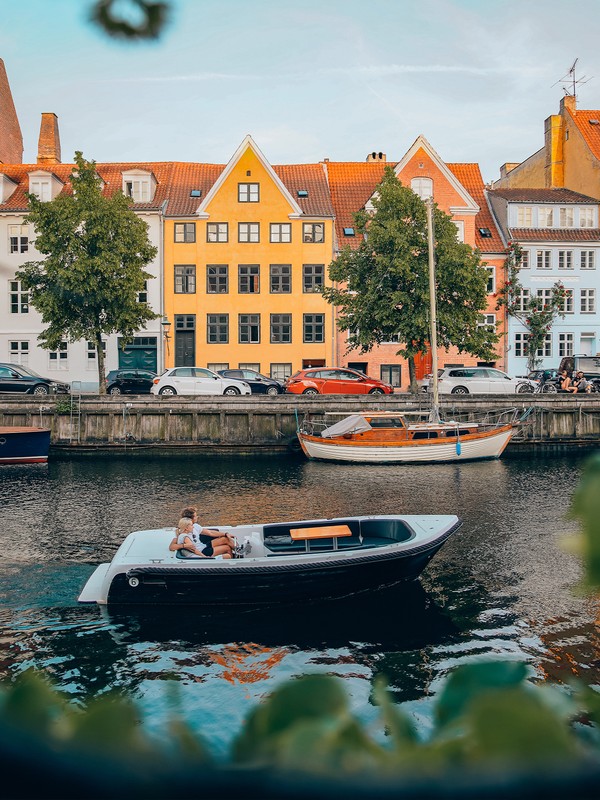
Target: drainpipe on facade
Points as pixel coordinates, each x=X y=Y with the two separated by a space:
x=161 y=337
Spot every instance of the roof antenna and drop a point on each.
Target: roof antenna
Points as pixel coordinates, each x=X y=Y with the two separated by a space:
x=570 y=82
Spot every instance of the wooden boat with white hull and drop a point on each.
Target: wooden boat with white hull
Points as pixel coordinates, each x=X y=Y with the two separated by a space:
x=382 y=437
x=286 y=562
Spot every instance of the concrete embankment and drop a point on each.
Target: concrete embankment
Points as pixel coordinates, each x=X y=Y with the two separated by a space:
x=259 y=422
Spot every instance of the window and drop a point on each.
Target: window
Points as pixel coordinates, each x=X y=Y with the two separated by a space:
x=217 y=232
x=280 y=278
x=565 y=216
x=524 y=217
x=521 y=344
x=142 y=296
x=312 y=277
x=587 y=259
x=586 y=217
x=544 y=259
x=280 y=372
x=391 y=373
x=19 y=352
x=313 y=232
x=565 y=259
x=248 y=278
x=217 y=279
x=92 y=354
x=185 y=279
x=281 y=328
x=565 y=344
x=545 y=351
x=588 y=301
x=19 y=298
x=545 y=217
x=523 y=299
x=59 y=359
x=489 y=322
x=217 y=328
x=491 y=282
x=249 y=328
x=250 y=366
x=138 y=189
x=18 y=238
x=41 y=189
x=248 y=192
x=281 y=232
x=567 y=304
x=314 y=328
x=423 y=187
x=185 y=231
x=545 y=296
x=394 y=338
x=248 y=232
x=524 y=260
x=216 y=366
x=185 y=322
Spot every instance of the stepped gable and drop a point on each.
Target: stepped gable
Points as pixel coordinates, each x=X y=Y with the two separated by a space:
x=11 y=139
x=310 y=178
x=351 y=184
x=470 y=177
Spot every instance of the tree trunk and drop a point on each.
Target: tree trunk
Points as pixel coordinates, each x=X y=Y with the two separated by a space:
x=412 y=376
x=101 y=368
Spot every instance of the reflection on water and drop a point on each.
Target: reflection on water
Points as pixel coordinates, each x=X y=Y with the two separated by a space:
x=501 y=586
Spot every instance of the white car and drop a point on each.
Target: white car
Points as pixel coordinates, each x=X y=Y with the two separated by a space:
x=480 y=380
x=197 y=380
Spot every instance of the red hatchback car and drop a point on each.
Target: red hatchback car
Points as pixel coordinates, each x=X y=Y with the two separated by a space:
x=331 y=380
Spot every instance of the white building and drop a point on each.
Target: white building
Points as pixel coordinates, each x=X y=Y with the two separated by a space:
x=559 y=233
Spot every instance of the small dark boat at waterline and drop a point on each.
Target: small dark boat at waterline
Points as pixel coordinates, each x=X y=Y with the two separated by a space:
x=23 y=445
x=284 y=562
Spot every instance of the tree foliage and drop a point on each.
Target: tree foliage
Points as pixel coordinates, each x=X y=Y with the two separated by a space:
x=147 y=19
x=96 y=249
x=382 y=288
x=536 y=314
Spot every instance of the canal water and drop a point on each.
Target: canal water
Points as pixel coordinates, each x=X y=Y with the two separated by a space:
x=502 y=587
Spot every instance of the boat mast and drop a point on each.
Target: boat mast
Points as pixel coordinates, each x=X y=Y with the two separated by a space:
x=434 y=414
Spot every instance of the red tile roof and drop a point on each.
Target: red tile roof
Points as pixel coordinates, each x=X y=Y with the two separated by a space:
x=469 y=175
x=566 y=235
x=588 y=123
x=558 y=195
x=351 y=184
x=312 y=178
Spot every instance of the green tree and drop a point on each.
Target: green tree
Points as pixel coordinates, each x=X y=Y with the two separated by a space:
x=537 y=314
x=96 y=249
x=382 y=288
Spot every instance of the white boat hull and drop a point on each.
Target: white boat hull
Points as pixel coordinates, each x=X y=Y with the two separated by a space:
x=485 y=447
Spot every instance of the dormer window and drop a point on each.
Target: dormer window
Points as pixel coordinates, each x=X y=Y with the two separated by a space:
x=566 y=217
x=140 y=186
x=7 y=187
x=423 y=187
x=44 y=185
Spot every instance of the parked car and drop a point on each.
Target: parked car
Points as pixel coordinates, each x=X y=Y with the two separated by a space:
x=480 y=380
x=334 y=380
x=196 y=380
x=259 y=384
x=16 y=378
x=129 y=381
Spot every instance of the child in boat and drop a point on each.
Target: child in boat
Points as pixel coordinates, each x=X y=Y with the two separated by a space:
x=206 y=536
x=189 y=540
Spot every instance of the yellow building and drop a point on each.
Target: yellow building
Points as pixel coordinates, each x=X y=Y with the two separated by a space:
x=246 y=253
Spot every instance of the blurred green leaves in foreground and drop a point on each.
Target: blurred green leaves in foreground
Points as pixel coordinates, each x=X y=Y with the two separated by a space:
x=488 y=717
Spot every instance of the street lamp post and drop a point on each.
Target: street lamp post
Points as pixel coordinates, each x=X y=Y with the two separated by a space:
x=166 y=327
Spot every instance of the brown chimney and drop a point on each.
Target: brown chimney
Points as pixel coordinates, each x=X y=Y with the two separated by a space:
x=376 y=157
x=49 y=141
x=11 y=139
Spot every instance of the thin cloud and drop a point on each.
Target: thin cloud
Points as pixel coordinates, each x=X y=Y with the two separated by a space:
x=381 y=70
x=197 y=78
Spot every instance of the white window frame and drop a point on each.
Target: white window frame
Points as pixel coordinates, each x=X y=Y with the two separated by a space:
x=491 y=281
x=59 y=359
x=524 y=216
x=523 y=299
x=18 y=296
x=586 y=217
x=521 y=345
x=543 y=259
x=19 y=352
x=138 y=189
x=460 y=229
x=545 y=216
x=565 y=344
x=587 y=259
x=545 y=351
x=525 y=263
x=280 y=232
x=565 y=259
x=566 y=217
x=422 y=187
x=588 y=301
x=567 y=304
x=41 y=188
x=18 y=239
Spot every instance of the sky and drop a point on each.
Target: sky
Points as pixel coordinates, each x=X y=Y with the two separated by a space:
x=307 y=80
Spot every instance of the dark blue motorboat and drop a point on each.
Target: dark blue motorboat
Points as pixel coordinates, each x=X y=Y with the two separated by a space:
x=22 y=445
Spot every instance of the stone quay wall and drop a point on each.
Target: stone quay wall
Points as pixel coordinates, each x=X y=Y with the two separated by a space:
x=239 y=423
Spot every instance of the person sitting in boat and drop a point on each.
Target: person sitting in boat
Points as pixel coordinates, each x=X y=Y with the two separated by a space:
x=205 y=536
x=189 y=541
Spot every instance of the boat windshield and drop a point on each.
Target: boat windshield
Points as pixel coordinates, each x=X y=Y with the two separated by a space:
x=353 y=424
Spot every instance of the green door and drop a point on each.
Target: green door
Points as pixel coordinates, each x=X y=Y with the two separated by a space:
x=139 y=354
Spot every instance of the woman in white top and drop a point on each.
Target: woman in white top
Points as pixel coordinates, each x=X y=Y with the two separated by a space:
x=190 y=540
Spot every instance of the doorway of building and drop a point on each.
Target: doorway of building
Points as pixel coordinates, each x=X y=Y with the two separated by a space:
x=139 y=354
x=360 y=366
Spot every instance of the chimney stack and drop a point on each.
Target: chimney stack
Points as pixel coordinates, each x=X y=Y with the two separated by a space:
x=49 y=141
x=376 y=157
x=11 y=139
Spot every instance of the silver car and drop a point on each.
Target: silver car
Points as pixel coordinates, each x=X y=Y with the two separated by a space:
x=480 y=380
x=197 y=380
